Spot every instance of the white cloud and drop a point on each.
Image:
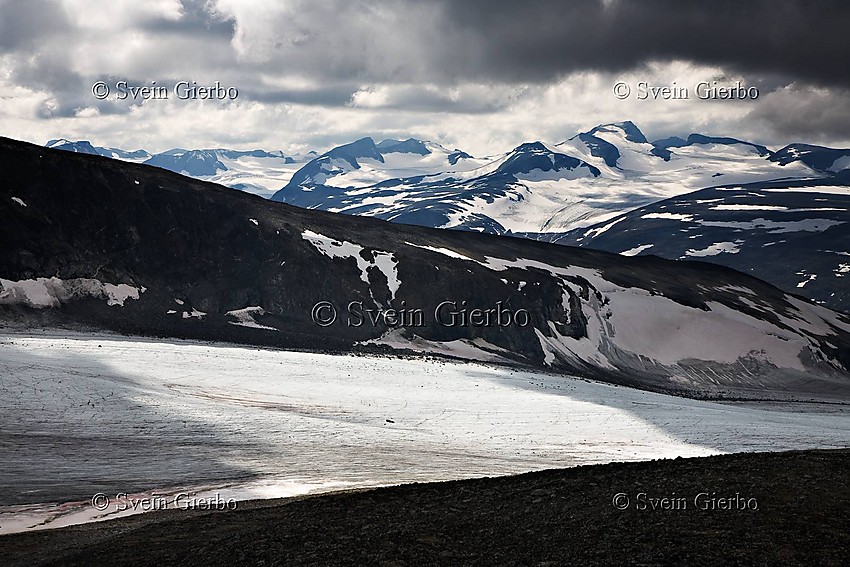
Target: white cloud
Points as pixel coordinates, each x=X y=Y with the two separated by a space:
x=113 y=15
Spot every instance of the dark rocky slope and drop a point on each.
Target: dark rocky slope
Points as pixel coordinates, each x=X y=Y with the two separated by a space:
x=136 y=249
x=557 y=517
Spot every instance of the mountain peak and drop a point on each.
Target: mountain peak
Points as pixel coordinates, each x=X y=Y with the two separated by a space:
x=80 y=146
x=817 y=157
x=193 y=162
x=536 y=155
x=362 y=148
x=408 y=146
x=663 y=146
x=627 y=129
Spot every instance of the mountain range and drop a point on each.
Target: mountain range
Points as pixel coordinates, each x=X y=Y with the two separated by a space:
x=100 y=243
x=254 y=171
x=603 y=188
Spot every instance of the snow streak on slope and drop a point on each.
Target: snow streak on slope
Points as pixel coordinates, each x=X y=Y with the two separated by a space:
x=85 y=414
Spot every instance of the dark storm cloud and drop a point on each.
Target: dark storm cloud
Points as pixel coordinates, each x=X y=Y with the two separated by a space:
x=537 y=40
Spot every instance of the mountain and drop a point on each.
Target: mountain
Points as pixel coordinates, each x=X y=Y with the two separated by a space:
x=569 y=191
x=254 y=171
x=535 y=188
x=591 y=177
x=817 y=157
x=85 y=147
x=662 y=147
x=105 y=244
x=794 y=234
x=364 y=163
x=194 y=163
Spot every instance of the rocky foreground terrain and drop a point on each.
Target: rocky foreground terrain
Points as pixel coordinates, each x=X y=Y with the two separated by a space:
x=790 y=509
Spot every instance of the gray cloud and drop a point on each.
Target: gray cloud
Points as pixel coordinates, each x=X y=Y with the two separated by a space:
x=813 y=115
x=25 y=22
x=329 y=95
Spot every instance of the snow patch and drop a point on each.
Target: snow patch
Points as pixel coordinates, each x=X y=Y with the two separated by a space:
x=636 y=250
x=716 y=248
x=245 y=317
x=383 y=261
x=52 y=292
x=748 y=208
x=120 y=293
x=669 y=216
x=193 y=314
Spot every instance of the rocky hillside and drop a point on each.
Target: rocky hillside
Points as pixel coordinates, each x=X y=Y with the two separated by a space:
x=90 y=241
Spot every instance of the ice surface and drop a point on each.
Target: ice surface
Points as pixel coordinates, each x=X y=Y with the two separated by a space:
x=86 y=414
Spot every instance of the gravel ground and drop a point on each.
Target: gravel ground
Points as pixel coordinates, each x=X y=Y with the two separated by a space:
x=786 y=508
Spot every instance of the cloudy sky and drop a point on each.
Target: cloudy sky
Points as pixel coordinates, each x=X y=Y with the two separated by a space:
x=480 y=75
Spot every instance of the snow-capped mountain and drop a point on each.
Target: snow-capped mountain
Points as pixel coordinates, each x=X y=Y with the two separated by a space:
x=828 y=160
x=794 y=234
x=136 y=249
x=254 y=171
x=85 y=147
x=194 y=163
x=537 y=187
x=363 y=164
